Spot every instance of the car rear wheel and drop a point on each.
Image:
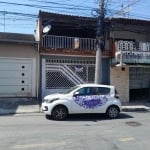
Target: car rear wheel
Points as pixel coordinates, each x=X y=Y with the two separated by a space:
x=112 y=112
x=59 y=113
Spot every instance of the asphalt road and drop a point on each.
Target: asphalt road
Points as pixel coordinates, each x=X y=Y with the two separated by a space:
x=131 y=131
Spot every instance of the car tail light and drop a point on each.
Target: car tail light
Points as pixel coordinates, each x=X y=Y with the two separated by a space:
x=116 y=94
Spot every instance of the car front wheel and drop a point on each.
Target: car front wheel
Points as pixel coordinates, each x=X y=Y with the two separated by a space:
x=112 y=112
x=59 y=113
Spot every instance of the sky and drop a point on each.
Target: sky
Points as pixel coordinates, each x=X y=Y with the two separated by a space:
x=19 y=16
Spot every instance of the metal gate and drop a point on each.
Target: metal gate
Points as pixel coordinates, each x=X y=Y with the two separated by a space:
x=61 y=74
x=139 y=83
x=139 y=77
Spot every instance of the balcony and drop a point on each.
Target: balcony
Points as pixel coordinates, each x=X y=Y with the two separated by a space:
x=134 y=52
x=70 y=45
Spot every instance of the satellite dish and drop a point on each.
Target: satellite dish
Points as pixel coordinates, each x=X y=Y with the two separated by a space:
x=47 y=28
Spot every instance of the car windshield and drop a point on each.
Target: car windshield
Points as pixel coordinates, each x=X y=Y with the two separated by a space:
x=71 y=89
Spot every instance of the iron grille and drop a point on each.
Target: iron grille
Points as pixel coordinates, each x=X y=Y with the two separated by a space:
x=55 y=79
x=67 y=73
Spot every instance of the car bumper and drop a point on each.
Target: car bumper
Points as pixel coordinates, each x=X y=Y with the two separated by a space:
x=46 y=108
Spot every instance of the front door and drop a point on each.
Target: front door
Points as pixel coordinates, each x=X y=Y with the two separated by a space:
x=90 y=100
x=80 y=100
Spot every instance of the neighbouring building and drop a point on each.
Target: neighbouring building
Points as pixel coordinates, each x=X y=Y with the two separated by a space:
x=131 y=38
x=18 y=65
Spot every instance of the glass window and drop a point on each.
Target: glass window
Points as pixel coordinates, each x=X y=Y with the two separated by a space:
x=71 y=89
x=102 y=90
x=85 y=91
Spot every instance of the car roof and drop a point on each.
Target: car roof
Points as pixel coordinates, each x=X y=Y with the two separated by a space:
x=95 y=85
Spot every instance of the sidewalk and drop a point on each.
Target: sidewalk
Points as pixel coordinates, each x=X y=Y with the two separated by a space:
x=31 y=105
x=19 y=105
x=136 y=106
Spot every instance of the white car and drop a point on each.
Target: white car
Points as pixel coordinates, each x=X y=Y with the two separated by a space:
x=84 y=98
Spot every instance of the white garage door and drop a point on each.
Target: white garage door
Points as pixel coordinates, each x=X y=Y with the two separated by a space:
x=15 y=77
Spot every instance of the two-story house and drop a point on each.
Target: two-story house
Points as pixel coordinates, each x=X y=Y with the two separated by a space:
x=67 y=51
x=131 y=38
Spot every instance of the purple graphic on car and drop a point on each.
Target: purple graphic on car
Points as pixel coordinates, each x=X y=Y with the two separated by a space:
x=91 y=102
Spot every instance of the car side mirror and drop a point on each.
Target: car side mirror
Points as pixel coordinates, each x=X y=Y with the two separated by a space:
x=76 y=93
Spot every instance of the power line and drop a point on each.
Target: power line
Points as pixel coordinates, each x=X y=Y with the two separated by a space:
x=18 y=14
x=62 y=4
x=45 y=7
x=83 y=8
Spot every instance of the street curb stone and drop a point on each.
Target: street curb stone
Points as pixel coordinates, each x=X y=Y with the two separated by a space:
x=135 y=108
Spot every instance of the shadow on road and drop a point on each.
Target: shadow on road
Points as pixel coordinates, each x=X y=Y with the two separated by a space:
x=93 y=117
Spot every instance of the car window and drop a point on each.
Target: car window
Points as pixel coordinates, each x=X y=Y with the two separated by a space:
x=70 y=90
x=102 y=90
x=85 y=91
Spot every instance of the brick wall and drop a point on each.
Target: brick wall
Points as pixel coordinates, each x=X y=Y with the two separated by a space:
x=120 y=79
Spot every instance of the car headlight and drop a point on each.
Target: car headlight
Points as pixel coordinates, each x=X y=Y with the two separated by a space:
x=51 y=100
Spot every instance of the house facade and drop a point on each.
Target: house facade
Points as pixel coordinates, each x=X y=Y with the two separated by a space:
x=67 y=52
x=68 y=47
x=18 y=65
x=131 y=39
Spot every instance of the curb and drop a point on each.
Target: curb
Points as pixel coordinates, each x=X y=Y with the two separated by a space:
x=12 y=112
x=11 y=106
x=20 y=110
x=135 y=108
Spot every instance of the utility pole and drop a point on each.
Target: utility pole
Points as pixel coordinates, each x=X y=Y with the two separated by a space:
x=100 y=42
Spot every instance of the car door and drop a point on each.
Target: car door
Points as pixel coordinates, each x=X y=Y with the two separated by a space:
x=80 y=100
x=101 y=97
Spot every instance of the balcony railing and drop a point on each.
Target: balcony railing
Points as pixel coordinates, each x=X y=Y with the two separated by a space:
x=64 y=42
x=134 y=52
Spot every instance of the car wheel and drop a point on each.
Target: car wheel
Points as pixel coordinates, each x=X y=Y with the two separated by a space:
x=59 y=113
x=113 y=112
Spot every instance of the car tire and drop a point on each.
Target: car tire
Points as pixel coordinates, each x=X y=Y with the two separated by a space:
x=59 y=113
x=112 y=112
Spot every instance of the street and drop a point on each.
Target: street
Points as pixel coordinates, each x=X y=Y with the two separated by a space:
x=80 y=132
